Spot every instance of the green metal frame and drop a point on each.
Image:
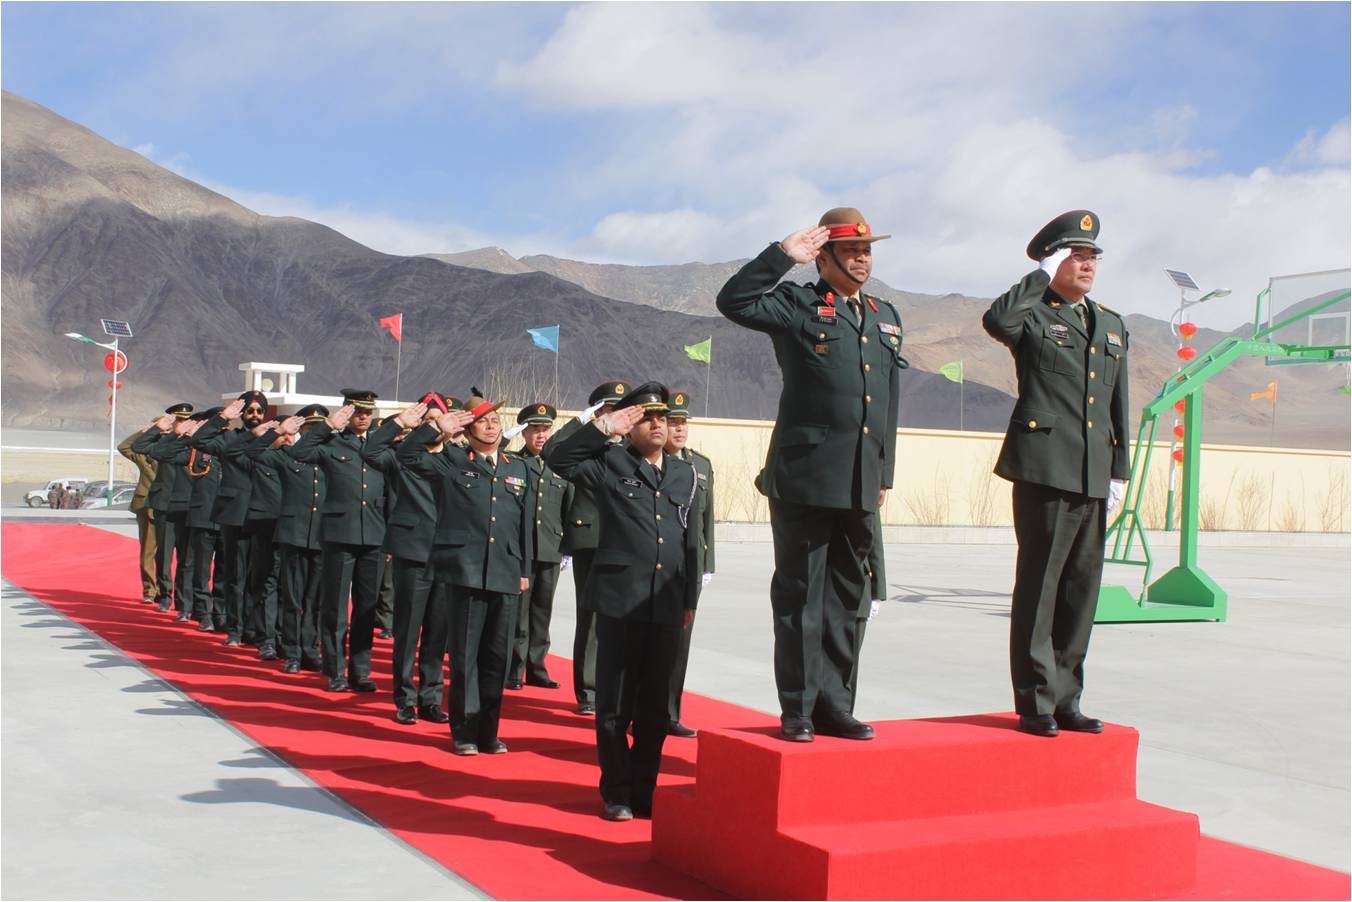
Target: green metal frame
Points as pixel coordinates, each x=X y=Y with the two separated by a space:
x=1187 y=592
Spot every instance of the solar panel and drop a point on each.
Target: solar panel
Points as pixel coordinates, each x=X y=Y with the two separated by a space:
x=117 y=328
x=1182 y=279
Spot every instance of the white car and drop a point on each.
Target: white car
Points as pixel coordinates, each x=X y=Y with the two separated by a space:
x=38 y=497
x=121 y=499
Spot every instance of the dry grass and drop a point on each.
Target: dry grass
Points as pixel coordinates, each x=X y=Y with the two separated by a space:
x=981 y=495
x=928 y=502
x=1250 y=503
x=1333 y=502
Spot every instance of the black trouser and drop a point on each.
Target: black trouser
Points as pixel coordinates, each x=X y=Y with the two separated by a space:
x=164 y=557
x=218 y=582
x=676 y=686
x=532 y=624
x=584 y=635
x=633 y=671
x=1056 y=584
x=298 y=592
x=421 y=624
x=235 y=548
x=182 y=546
x=201 y=555
x=385 y=598
x=353 y=569
x=820 y=581
x=480 y=643
x=264 y=564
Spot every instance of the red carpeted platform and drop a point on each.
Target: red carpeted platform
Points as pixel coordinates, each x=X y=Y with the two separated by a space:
x=525 y=825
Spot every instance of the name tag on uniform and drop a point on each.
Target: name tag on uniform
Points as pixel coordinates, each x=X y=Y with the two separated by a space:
x=828 y=312
x=1059 y=331
x=1114 y=339
x=700 y=475
x=633 y=482
x=889 y=328
x=469 y=473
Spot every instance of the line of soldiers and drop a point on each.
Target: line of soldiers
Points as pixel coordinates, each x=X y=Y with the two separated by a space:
x=283 y=532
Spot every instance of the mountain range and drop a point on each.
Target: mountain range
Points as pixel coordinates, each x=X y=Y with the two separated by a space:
x=91 y=230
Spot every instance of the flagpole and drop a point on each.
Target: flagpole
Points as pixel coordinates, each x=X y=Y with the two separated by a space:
x=962 y=394
x=1272 y=436
x=708 y=376
x=398 y=357
x=558 y=344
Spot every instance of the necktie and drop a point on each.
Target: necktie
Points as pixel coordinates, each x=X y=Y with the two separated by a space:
x=854 y=308
x=1082 y=314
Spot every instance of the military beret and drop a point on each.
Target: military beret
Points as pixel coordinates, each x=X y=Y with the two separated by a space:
x=608 y=392
x=651 y=396
x=360 y=398
x=313 y=413
x=542 y=414
x=848 y=224
x=679 y=406
x=1076 y=228
x=255 y=397
x=180 y=409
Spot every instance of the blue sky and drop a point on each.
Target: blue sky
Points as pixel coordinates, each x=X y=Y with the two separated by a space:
x=1212 y=137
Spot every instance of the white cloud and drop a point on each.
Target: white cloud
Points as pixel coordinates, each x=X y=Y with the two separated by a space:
x=1332 y=148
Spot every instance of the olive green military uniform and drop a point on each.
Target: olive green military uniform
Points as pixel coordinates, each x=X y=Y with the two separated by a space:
x=208 y=589
x=229 y=512
x=145 y=517
x=482 y=549
x=260 y=527
x=832 y=450
x=1067 y=438
x=169 y=495
x=704 y=472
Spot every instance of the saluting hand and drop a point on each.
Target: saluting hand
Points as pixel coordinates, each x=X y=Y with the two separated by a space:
x=291 y=425
x=264 y=427
x=232 y=410
x=410 y=417
x=622 y=422
x=453 y=423
x=193 y=426
x=183 y=426
x=1052 y=262
x=164 y=423
x=804 y=245
x=338 y=419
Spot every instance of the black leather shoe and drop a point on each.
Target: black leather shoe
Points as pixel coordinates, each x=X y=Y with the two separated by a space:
x=586 y=708
x=384 y=634
x=206 y=625
x=1038 y=724
x=466 y=748
x=406 y=714
x=1075 y=722
x=337 y=684
x=232 y=641
x=618 y=813
x=843 y=726
x=267 y=652
x=291 y=666
x=311 y=665
x=676 y=728
x=163 y=605
x=363 y=684
x=220 y=625
x=496 y=747
x=642 y=810
x=433 y=714
x=542 y=682
x=182 y=617
x=795 y=729
x=514 y=684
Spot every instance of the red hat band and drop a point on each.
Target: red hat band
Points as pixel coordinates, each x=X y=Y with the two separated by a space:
x=849 y=230
x=481 y=409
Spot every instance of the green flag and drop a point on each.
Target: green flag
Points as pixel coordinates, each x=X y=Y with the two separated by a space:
x=952 y=371
x=703 y=352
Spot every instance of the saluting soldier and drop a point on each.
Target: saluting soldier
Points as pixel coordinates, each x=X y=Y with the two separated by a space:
x=553 y=495
x=678 y=435
x=145 y=517
x=352 y=534
x=644 y=584
x=1066 y=451
x=831 y=458
x=297 y=538
x=161 y=488
x=260 y=526
x=482 y=553
x=204 y=474
x=232 y=500
x=170 y=450
x=579 y=546
x=421 y=614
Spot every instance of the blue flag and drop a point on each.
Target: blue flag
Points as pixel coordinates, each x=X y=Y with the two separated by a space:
x=546 y=337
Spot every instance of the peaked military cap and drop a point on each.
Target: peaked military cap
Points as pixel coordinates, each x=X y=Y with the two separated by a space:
x=360 y=398
x=453 y=403
x=679 y=405
x=608 y=392
x=541 y=414
x=181 y=409
x=254 y=396
x=1078 y=228
x=206 y=414
x=479 y=407
x=651 y=396
x=848 y=224
x=434 y=401
x=313 y=413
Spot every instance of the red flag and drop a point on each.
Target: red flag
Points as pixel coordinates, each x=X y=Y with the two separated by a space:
x=396 y=326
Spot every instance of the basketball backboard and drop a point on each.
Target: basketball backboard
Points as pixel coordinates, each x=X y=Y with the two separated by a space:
x=1308 y=310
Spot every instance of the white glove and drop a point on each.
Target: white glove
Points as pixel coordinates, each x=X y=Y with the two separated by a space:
x=513 y=432
x=705 y=580
x=565 y=562
x=1117 y=490
x=874 y=607
x=1052 y=261
x=586 y=415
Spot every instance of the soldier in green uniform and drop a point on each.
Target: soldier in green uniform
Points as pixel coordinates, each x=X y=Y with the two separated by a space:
x=644 y=584
x=579 y=547
x=678 y=434
x=297 y=537
x=161 y=488
x=260 y=526
x=1066 y=452
x=831 y=458
x=145 y=517
x=421 y=614
x=553 y=496
x=352 y=536
x=204 y=474
x=482 y=552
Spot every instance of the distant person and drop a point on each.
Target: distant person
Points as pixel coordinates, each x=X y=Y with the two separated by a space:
x=145 y=517
x=55 y=495
x=1067 y=453
x=831 y=460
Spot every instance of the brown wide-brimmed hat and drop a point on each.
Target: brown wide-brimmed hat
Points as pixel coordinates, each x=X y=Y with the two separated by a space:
x=479 y=407
x=848 y=224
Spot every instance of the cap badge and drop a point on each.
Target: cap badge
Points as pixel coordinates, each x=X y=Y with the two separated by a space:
x=680 y=399
x=619 y=388
x=862 y=228
x=1087 y=223
x=540 y=409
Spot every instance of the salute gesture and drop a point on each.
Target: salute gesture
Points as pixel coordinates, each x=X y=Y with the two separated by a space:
x=410 y=417
x=232 y=410
x=453 y=422
x=338 y=419
x=804 y=245
x=621 y=422
x=264 y=427
x=184 y=427
x=164 y=423
x=290 y=426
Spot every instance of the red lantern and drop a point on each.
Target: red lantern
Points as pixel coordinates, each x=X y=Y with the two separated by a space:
x=1178 y=431
x=121 y=364
x=114 y=383
x=1187 y=353
x=1178 y=455
x=1181 y=406
x=110 y=400
x=1187 y=330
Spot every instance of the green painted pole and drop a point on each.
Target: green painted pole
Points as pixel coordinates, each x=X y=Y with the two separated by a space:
x=1192 y=479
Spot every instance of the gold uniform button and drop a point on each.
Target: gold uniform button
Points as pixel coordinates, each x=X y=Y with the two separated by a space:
x=659 y=567
x=539 y=522
x=1091 y=399
x=1091 y=424
x=658 y=494
x=863 y=339
x=1092 y=374
x=363 y=485
x=868 y=399
x=821 y=336
x=1093 y=350
x=494 y=499
x=659 y=516
x=867 y=367
x=492 y=519
x=1032 y=424
x=491 y=540
x=539 y=507
x=577 y=522
x=865 y=430
x=314 y=510
x=363 y=504
x=661 y=541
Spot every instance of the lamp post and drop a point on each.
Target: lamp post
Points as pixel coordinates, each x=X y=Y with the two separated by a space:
x=1183 y=331
x=118 y=330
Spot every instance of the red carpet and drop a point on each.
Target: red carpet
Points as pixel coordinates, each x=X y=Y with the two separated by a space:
x=522 y=825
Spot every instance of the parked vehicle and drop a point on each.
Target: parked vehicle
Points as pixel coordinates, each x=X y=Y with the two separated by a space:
x=99 y=488
x=38 y=497
x=121 y=499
